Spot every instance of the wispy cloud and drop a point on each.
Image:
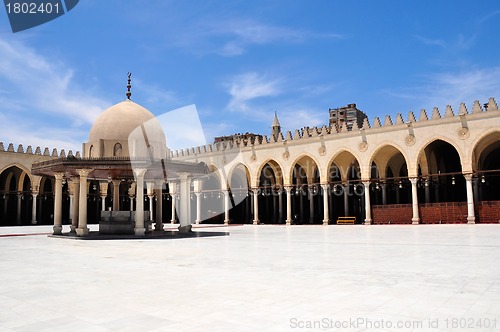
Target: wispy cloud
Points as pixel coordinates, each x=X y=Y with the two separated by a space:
x=44 y=84
x=432 y=42
x=451 y=88
x=249 y=86
x=234 y=37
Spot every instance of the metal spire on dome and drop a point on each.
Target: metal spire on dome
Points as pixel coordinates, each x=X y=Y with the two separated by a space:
x=276 y=122
x=129 y=94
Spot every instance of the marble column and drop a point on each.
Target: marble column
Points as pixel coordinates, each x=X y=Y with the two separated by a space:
x=198 y=207
x=346 y=200
x=288 y=190
x=151 y=195
x=383 y=186
x=255 y=206
x=131 y=195
x=311 y=204
x=34 y=195
x=58 y=203
x=471 y=217
x=427 y=190
x=368 y=206
x=139 y=208
x=172 y=190
x=116 y=195
x=414 y=201
x=103 y=188
x=185 y=202
x=280 y=205
x=19 y=206
x=159 y=206
x=82 y=229
x=75 y=189
x=326 y=211
x=226 y=207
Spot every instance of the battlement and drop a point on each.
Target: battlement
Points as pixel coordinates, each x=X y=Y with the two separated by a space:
x=324 y=131
x=38 y=151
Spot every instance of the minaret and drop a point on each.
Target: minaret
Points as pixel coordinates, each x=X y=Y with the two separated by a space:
x=276 y=127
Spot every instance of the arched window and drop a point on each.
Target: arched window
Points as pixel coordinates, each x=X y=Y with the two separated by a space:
x=91 y=151
x=117 y=150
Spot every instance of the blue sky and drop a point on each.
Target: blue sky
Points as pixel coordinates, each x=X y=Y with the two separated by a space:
x=240 y=61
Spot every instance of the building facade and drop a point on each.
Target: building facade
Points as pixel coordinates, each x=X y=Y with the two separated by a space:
x=442 y=168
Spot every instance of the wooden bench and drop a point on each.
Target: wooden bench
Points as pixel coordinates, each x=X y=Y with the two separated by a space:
x=346 y=220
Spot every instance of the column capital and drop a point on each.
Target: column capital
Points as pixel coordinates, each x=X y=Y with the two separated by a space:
x=103 y=187
x=139 y=172
x=184 y=176
x=59 y=175
x=83 y=172
x=366 y=183
x=413 y=181
x=468 y=177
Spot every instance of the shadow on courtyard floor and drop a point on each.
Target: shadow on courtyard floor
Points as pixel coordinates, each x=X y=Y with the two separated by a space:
x=149 y=236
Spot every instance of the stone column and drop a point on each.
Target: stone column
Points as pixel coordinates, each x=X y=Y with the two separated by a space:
x=131 y=195
x=346 y=200
x=82 y=229
x=414 y=199
x=471 y=218
x=383 y=186
x=311 y=204
x=58 y=203
x=326 y=211
x=185 y=202
x=368 y=206
x=103 y=188
x=288 y=205
x=226 y=207
x=173 y=189
x=427 y=190
x=280 y=205
x=75 y=189
x=116 y=195
x=139 y=208
x=198 y=207
x=19 y=205
x=255 y=206
x=34 y=194
x=159 y=206
x=150 y=192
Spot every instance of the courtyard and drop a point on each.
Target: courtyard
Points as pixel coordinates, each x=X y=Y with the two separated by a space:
x=258 y=278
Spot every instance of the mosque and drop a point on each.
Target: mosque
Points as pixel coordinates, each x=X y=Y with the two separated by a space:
x=442 y=167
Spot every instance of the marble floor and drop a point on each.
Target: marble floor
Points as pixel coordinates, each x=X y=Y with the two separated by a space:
x=259 y=278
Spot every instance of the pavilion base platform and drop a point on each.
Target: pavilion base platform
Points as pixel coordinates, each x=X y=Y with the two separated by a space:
x=154 y=235
x=120 y=222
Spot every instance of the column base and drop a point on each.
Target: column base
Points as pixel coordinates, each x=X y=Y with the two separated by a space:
x=57 y=230
x=197 y=222
x=139 y=231
x=226 y=222
x=288 y=222
x=72 y=229
x=158 y=227
x=256 y=222
x=34 y=222
x=415 y=221
x=82 y=231
x=368 y=221
x=172 y=221
x=326 y=222
x=185 y=229
x=471 y=220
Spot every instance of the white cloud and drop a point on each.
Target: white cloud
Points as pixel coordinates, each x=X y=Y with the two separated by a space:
x=33 y=86
x=249 y=86
x=452 y=88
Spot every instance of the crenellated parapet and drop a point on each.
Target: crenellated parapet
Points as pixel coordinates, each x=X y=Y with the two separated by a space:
x=424 y=119
x=38 y=151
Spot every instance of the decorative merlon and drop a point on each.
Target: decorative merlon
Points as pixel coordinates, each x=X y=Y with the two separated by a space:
x=477 y=107
x=435 y=114
x=388 y=121
x=423 y=115
x=399 y=119
x=411 y=117
x=449 y=112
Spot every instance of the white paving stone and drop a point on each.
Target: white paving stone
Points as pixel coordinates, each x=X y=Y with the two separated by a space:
x=259 y=278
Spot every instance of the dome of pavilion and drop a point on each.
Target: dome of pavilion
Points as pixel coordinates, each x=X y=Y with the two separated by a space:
x=116 y=128
x=118 y=121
